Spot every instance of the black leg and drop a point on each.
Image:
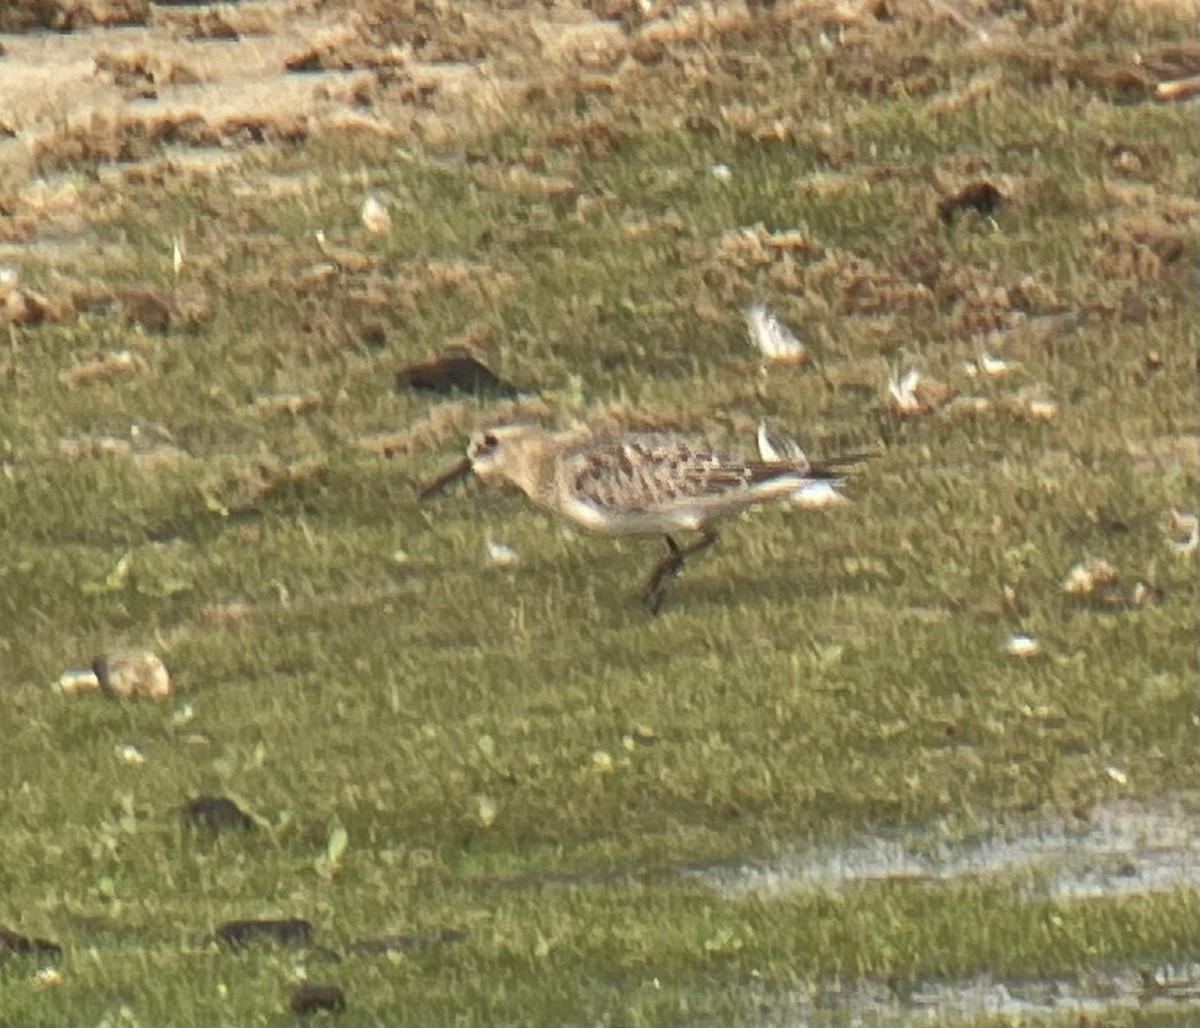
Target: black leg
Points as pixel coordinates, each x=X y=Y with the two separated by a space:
x=668 y=567
x=652 y=595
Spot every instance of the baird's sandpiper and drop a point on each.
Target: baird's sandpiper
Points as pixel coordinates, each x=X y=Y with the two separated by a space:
x=635 y=483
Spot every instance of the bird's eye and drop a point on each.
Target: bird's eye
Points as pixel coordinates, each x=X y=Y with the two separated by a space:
x=484 y=445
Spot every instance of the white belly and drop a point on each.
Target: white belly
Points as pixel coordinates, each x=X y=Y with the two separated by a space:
x=634 y=522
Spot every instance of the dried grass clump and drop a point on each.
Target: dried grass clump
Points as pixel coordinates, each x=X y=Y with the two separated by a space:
x=106 y=139
x=69 y=15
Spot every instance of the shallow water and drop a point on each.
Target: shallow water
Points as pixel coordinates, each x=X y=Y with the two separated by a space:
x=1125 y=847
x=984 y=1000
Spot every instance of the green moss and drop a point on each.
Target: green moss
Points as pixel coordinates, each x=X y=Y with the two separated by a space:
x=520 y=752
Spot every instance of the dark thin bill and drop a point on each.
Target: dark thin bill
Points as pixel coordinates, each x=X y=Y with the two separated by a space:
x=451 y=474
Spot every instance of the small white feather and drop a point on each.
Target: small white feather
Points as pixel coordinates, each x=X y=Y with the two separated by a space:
x=902 y=391
x=773 y=338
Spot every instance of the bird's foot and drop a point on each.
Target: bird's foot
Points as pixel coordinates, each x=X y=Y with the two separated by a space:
x=668 y=567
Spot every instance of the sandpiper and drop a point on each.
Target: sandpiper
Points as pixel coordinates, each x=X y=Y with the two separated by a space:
x=635 y=483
